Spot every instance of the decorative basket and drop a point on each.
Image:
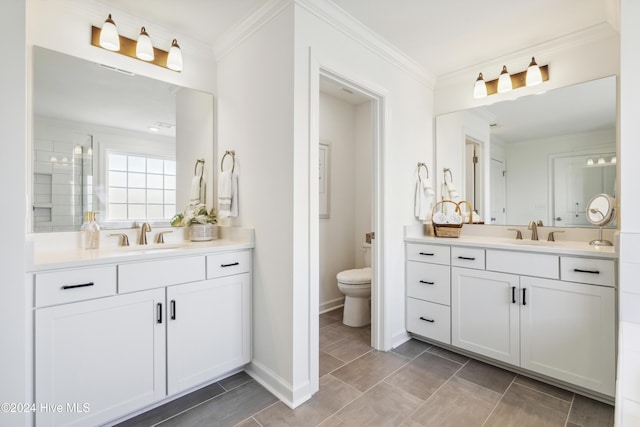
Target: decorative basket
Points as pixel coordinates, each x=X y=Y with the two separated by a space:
x=450 y=230
x=201 y=232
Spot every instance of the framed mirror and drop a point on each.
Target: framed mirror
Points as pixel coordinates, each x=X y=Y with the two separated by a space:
x=538 y=157
x=601 y=212
x=109 y=141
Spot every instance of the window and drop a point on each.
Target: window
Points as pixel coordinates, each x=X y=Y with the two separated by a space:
x=140 y=187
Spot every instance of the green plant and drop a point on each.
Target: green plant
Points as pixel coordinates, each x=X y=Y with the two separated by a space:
x=196 y=214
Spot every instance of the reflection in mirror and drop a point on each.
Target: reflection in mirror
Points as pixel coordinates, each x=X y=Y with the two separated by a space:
x=105 y=140
x=539 y=157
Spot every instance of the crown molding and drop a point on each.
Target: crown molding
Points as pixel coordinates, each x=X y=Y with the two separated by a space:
x=595 y=33
x=333 y=15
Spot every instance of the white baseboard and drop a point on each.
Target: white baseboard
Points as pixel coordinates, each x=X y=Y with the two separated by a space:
x=331 y=305
x=399 y=338
x=277 y=386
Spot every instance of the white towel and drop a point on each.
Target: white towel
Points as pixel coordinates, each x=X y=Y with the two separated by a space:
x=423 y=200
x=195 y=191
x=228 y=195
x=452 y=192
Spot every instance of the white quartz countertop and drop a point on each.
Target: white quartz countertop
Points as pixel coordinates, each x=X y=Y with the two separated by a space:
x=511 y=244
x=57 y=251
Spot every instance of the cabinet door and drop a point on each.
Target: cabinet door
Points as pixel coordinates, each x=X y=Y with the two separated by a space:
x=568 y=332
x=485 y=313
x=99 y=359
x=208 y=329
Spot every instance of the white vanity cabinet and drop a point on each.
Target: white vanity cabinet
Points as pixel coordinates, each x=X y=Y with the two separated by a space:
x=549 y=314
x=107 y=353
x=121 y=341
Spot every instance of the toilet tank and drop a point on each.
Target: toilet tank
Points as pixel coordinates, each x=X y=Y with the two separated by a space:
x=366 y=254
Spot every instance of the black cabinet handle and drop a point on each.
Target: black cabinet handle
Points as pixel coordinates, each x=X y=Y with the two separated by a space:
x=524 y=296
x=426 y=253
x=467 y=258
x=513 y=295
x=577 y=270
x=159 y=312
x=229 y=265
x=427 y=320
x=173 y=309
x=427 y=283
x=83 y=285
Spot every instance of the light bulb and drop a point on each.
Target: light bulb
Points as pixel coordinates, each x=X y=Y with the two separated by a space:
x=174 y=59
x=109 y=38
x=590 y=162
x=480 y=88
x=144 y=48
x=601 y=161
x=534 y=77
x=614 y=160
x=504 y=81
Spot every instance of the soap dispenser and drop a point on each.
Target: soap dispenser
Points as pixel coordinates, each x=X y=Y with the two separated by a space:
x=90 y=231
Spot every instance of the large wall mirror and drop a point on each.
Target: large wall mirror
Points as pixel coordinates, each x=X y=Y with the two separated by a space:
x=110 y=141
x=538 y=157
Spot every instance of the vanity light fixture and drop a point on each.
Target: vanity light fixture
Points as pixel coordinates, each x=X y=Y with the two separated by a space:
x=589 y=162
x=144 y=47
x=532 y=76
x=601 y=161
x=108 y=38
x=504 y=81
x=614 y=160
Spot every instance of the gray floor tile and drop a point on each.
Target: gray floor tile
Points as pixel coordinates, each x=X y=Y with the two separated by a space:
x=235 y=380
x=329 y=335
x=174 y=407
x=326 y=320
x=545 y=388
x=448 y=354
x=457 y=403
x=333 y=395
x=227 y=409
x=486 y=375
x=328 y=363
x=424 y=375
x=347 y=349
x=370 y=369
x=251 y=422
x=411 y=348
x=523 y=407
x=335 y=314
x=383 y=405
x=586 y=412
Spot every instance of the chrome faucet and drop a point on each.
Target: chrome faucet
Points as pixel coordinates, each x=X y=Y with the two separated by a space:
x=142 y=238
x=534 y=230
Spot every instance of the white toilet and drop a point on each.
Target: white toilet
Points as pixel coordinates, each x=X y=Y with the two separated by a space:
x=356 y=286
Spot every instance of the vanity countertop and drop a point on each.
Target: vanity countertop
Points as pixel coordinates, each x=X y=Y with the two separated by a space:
x=511 y=244
x=58 y=251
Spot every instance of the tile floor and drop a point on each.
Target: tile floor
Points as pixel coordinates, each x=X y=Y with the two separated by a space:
x=414 y=385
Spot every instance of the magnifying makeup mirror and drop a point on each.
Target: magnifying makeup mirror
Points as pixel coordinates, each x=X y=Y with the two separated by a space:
x=600 y=212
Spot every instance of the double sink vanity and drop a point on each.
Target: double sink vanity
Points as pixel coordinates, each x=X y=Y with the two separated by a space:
x=547 y=309
x=119 y=329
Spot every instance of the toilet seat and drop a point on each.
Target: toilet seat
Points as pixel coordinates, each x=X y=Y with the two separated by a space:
x=357 y=276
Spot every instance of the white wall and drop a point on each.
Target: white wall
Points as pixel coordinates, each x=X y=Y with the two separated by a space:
x=363 y=163
x=337 y=127
x=13 y=303
x=628 y=387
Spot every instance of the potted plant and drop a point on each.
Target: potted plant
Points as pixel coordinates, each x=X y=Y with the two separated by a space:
x=199 y=220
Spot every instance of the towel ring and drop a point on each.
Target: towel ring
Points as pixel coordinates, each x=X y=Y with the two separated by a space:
x=195 y=168
x=423 y=165
x=445 y=170
x=231 y=153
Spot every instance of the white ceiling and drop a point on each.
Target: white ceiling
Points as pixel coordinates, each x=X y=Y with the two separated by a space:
x=441 y=35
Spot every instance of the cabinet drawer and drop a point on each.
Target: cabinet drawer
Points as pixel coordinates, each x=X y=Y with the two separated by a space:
x=467 y=257
x=154 y=274
x=62 y=287
x=523 y=263
x=428 y=253
x=429 y=320
x=588 y=270
x=430 y=282
x=228 y=264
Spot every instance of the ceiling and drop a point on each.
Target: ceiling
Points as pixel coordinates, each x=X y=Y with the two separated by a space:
x=442 y=36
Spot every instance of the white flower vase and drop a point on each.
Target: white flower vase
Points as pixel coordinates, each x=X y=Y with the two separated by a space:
x=201 y=232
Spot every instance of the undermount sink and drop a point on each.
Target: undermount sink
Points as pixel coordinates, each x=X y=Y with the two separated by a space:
x=151 y=248
x=533 y=242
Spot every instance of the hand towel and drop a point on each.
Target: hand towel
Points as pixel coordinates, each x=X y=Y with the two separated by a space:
x=423 y=200
x=452 y=191
x=195 y=191
x=228 y=195
x=439 y=218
